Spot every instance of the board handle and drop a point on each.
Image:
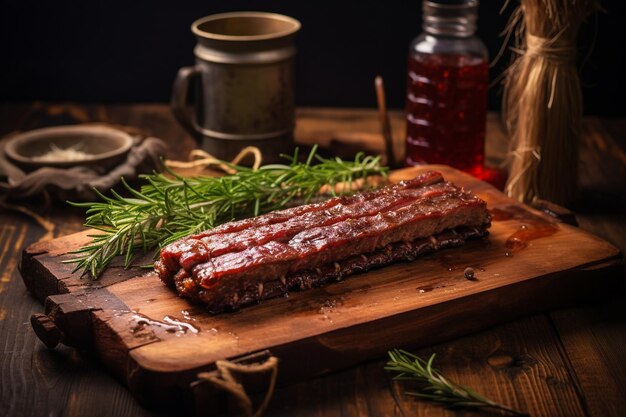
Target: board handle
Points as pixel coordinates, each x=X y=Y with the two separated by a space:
x=66 y=320
x=223 y=390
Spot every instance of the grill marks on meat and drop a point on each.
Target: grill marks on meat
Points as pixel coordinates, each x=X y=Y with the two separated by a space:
x=324 y=244
x=233 y=236
x=283 y=231
x=263 y=257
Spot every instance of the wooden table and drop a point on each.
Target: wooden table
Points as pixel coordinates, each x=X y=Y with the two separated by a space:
x=569 y=362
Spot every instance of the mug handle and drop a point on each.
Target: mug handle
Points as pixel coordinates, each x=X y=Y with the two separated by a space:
x=179 y=100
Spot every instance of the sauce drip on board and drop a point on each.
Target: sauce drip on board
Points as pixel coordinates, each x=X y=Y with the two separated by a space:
x=169 y=324
x=532 y=226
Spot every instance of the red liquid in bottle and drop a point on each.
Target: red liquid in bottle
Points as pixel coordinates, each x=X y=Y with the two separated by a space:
x=446 y=111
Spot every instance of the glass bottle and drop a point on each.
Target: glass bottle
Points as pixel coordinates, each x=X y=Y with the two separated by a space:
x=448 y=75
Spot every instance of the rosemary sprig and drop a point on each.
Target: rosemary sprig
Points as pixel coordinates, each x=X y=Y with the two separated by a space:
x=435 y=386
x=169 y=207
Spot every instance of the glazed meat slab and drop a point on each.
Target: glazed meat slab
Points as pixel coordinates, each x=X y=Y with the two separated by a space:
x=246 y=261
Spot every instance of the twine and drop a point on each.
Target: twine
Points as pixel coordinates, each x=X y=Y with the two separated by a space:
x=199 y=158
x=557 y=49
x=223 y=379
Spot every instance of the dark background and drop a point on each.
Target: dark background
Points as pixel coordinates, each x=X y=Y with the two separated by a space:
x=128 y=51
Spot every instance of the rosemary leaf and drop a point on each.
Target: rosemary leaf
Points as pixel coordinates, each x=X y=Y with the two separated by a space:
x=436 y=387
x=167 y=208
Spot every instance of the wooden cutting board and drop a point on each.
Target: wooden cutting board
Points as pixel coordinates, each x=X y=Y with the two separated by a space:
x=156 y=343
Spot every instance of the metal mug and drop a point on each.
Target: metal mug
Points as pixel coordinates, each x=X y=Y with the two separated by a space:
x=245 y=67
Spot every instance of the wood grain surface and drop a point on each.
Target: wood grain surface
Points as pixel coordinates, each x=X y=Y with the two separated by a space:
x=407 y=305
x=567 y=362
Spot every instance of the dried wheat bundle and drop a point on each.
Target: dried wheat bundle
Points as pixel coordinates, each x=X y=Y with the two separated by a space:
x=542 y=103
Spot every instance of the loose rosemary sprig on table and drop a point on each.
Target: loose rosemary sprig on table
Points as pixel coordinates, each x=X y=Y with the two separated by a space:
x=436 y=387
x=169 y=207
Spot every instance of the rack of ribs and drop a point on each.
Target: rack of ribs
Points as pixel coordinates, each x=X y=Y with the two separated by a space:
x=246 y=261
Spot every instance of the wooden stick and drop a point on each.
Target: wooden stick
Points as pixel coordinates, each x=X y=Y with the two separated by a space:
x=385 y=125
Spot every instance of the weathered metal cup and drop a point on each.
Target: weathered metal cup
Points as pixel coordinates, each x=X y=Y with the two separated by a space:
x=245 y=71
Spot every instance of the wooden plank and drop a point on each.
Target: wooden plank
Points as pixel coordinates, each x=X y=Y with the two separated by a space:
x=516 y=364
x=594 y=340
x=347 y=131
x=30 y=376
x=389 y=292
x=593 y=336
x=405 y=304
x=362 y=391
x=36 y=381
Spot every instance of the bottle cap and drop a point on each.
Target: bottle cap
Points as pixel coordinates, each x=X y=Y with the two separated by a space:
x=450 y=17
